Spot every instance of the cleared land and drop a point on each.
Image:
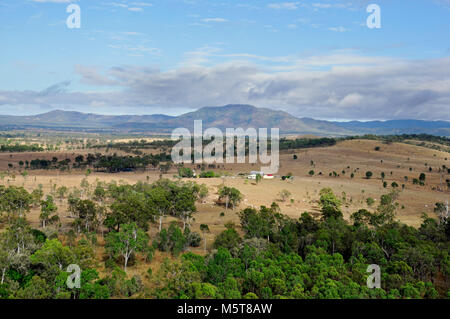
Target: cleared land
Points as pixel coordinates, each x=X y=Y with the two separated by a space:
x=396 y=160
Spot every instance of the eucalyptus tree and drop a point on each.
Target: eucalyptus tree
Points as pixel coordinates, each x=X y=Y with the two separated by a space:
x=231 y=196
x=128 y=240
x=159 y=197
x=15 y=201
x=184 y=204
x=48 y=212
x=204 y=229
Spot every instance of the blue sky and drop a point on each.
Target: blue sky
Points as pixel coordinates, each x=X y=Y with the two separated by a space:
x=310 y=58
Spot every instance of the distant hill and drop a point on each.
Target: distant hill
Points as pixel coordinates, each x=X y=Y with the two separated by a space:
x=222 y=117
x=244 y=116
x=440 y=128
x=77 y=120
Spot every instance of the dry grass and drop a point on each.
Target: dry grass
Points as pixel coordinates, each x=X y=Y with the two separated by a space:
x=359 y=155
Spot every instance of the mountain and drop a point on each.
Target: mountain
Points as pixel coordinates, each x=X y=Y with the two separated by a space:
x=75 y=120
x=229 y=116
x=440 y=128
x=244 y=116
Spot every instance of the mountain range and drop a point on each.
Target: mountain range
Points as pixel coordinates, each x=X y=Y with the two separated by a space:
x=222 y=117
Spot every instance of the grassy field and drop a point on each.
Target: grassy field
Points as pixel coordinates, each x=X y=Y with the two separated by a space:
x=341 y=167
x=396 y=160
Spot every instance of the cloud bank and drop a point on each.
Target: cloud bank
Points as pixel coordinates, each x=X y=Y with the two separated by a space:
x=339 y=86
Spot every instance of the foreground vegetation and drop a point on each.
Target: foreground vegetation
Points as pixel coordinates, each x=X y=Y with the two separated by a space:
x=267 y=256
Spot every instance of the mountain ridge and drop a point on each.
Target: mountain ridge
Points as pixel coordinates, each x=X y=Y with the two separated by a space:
x=222 y=117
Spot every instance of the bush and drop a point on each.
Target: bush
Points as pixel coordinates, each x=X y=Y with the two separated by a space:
x=422 y=177
x=171 y=239
x=39 y=237
x=228 y=239
x=370 y=201
x=185 y=172
x=209 y=174
x=193 y=239
x=110 y=263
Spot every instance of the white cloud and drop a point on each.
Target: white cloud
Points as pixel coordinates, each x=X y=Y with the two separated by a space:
x=284 y=5
x=135 y=6
x=344 y=85
x=216 y=20
x=338 y=29
x=322 y=5
x=352 y=99
x=142 y=4
x=331 y=5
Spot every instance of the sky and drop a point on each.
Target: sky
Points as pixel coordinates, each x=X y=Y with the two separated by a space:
x=315 y=59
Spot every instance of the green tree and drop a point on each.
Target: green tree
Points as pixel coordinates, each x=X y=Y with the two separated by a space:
x=228 y=239
x=15 y=201
x=48 y=210
x=330 y=204
x=131 y=206
x=230 y=195
x=36 y=288
x=62 y=191
x=183 y=203
x=100 y=194
x=37 y=195
x=259 y=224
x=159 y=197
x=53 y=258
x=128 y=240
x=422 y=178
x=386 y=209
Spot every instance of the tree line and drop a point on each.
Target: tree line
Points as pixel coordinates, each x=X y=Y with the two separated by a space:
x=101 y=163
x=20 y=148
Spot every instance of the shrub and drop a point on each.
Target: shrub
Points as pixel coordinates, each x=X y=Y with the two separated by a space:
x=370 y=201
x=193 y=239
x=185 y=172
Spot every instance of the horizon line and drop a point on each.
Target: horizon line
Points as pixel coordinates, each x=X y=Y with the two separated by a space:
x=222 y=106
